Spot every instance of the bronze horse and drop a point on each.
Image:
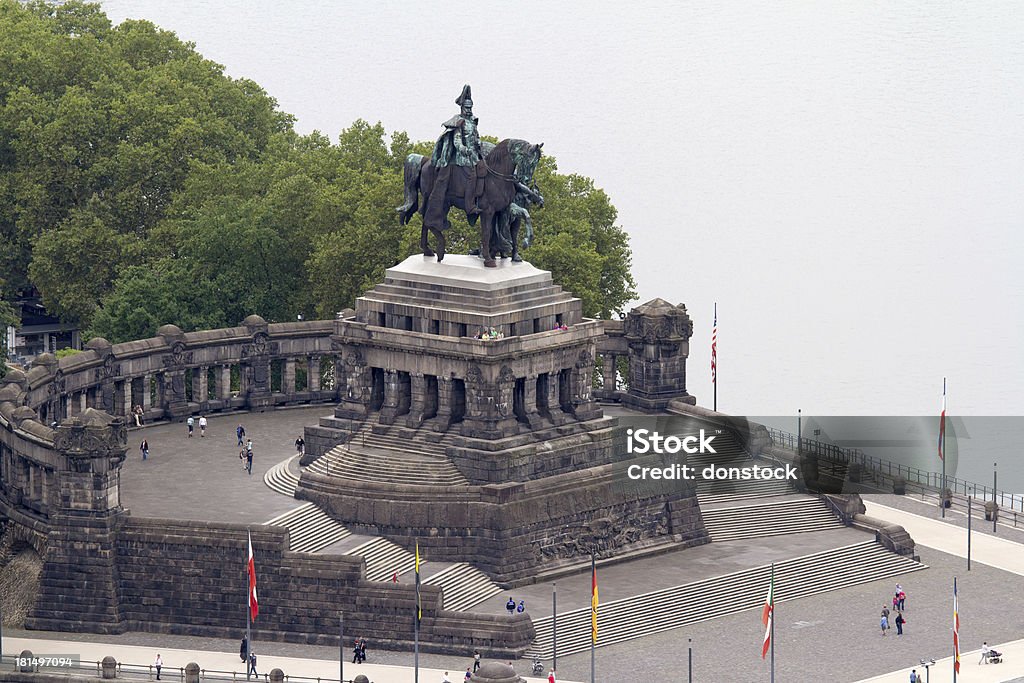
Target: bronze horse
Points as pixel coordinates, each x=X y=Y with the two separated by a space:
x=510 y=166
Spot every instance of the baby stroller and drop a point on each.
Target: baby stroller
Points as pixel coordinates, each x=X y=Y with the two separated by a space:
x=995 y=657
x=538 y=667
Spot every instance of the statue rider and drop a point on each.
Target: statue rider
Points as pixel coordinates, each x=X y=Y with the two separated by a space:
x=459 y=145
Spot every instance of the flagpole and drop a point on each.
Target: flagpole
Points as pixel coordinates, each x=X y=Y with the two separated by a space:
x=956 y=634
x=714 y=360
x=416 y=656
x=554 y=626
x=593 y=607
x=942 y=450
x=248 y=612
x=773 y=625
x=341 y=646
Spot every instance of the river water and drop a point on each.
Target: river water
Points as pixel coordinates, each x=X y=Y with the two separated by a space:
x=845 y=179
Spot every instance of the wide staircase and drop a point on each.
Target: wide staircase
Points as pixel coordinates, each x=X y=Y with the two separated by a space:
x=731 y=454
x=769 y=519
x=391 y=455
x=384 y=559
x=281 y=479
x=310 y=529
x=464 y=586
x=663 y=610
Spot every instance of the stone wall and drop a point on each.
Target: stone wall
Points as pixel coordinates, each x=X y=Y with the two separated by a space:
x=518 y=531
x=189 y=578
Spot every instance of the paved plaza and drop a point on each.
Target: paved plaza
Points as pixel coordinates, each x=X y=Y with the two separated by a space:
x=833 y=636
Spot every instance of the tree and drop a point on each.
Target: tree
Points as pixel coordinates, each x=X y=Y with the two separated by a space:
x=101 y=125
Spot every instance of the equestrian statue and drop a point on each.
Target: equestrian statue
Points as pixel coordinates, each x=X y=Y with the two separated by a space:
x=489 y=182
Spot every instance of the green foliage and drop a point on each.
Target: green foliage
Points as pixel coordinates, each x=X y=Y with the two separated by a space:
x=99 y=127
x=140 y=186
x=64 y=353
x=8 y=317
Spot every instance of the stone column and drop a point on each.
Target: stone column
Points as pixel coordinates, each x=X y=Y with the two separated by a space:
x=83 y=401
x=147 y=392
x=126 y=399
x=610 y=363
x=389 y=411
x=444 y=404
x=418 y=400
x=530 y=402
x=558 y=416
x=288 y=377
x=173 y=394
x=224 y=383
x=204 y=384
x=584 y=407
x=313 y=374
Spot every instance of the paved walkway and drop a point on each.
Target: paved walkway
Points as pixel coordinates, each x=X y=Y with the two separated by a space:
x=994 y=551
x=226 y=663
x=971 y=671
x=834 y=634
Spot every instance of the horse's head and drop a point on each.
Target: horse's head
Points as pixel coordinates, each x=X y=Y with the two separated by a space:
x=525 y=157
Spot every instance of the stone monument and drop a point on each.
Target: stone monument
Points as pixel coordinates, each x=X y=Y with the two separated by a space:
x=485 y=377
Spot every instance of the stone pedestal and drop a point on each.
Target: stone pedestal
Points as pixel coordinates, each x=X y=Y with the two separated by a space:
x=658 y=335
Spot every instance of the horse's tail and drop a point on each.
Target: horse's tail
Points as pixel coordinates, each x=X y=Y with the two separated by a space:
x=413 y=164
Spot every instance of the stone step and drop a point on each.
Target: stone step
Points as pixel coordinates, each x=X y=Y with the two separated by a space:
x=771 y=519
x=280 y=478
x=464 y=586
x=657 y=611
x=310 y=529
x=384 y=559
x=388 y=466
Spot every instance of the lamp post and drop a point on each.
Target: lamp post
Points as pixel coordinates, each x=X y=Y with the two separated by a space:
x=799 y=428
x=927 y=664
x=554 y=627
x=995 y=509
x=689 y=662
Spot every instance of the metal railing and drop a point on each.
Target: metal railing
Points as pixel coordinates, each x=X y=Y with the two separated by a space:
x=87 y=667
x=913 y=475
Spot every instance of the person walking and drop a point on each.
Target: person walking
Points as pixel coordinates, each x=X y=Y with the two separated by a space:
x=914 y=678
x=476 y=660
x=248 y=461
x=551 y=676
x=191 y=422
x=144 y=448
x=445 y=679
x=300 y=445
x=158 y=664
x=899 y=623
x=469 y=675
x=240 y=433
x=521 y=607
x=202 y=426
x=885 y=623
x=252 y=664
x=362 y=650
x=356 y=650
x=511 y=606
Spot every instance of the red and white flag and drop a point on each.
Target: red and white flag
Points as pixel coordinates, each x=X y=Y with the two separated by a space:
x=714 y=349
x=956 y=632
x=768 y=614
x=254 y=607
x=942 y=423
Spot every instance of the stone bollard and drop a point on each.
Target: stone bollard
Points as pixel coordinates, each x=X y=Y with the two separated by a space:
x=991 y=511
x=109 y=666
x=360 y=679
x=191 y=673
x=25 y=662
x=276 y=676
